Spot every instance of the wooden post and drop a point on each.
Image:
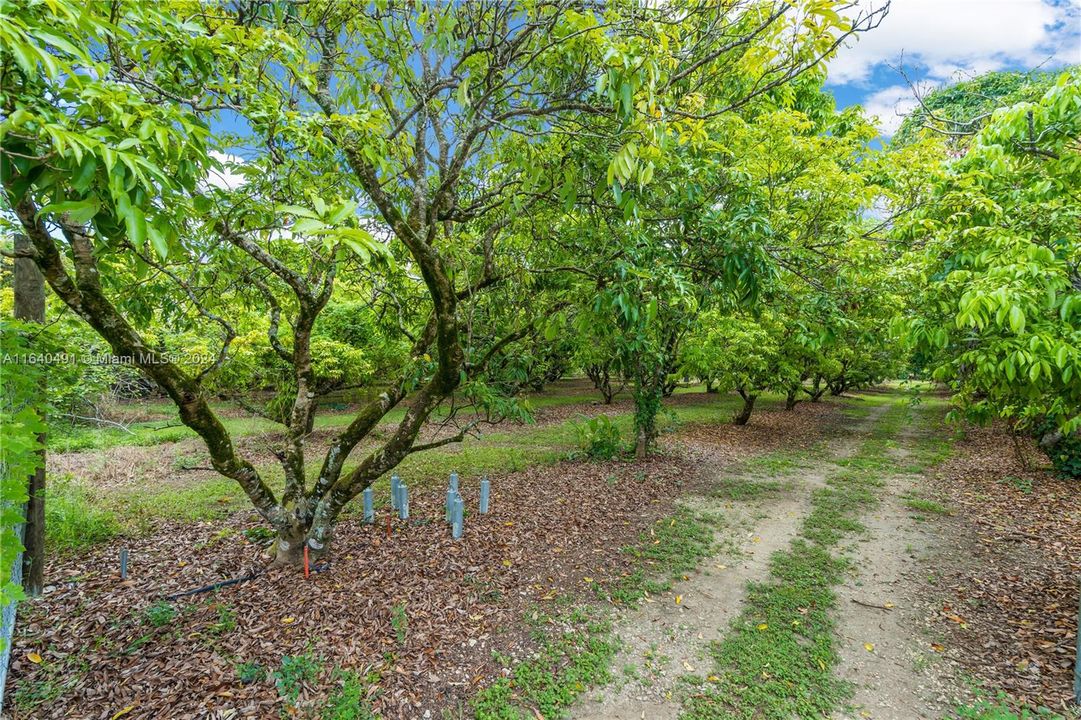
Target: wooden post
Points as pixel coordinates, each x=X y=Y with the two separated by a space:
x=29 y=286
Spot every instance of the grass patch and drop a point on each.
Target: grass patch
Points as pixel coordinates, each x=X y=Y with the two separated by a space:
x=776 y=660
x=1001 y=710
x=671 y=547
x=576 y=653
x=49 y=683
x=73 y=518
x=740 y=488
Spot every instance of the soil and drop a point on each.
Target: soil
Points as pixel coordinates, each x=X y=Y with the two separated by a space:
x=894 y=670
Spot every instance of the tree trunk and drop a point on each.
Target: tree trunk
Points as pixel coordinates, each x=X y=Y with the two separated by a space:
x=647 y=403
x=30 y=306
x=744 y=413
x=792 y=398
x=602 y=381
x=710 y=387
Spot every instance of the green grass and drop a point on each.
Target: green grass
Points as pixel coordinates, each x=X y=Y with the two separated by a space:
x=672 y=546
x=73 y=519
x=576 y=646
x=66 y=437
x=777 y=660
x=82 y=518
x=743 y=489
x=1001 y=710
x=569 y=659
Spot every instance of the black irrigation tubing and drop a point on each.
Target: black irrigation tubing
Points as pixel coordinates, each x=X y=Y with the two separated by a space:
x=235 y=581
x=214 y=586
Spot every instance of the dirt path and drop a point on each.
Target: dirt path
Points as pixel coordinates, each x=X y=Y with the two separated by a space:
x=663 y=640
x=883 y=654
x=895 y=672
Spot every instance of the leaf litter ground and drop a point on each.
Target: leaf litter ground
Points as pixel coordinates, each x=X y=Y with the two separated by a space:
x=419 y=615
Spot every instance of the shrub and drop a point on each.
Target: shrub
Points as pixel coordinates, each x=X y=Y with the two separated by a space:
x=599 y=438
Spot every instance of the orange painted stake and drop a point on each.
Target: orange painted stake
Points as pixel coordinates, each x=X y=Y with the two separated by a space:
x=307 y=569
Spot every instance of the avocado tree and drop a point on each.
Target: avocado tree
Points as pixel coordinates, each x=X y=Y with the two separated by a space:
x=403 y=148
x=996 y=312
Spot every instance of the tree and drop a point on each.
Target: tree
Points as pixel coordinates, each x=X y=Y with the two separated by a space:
x=996 y=311
x=404 y=148
x=960 y=110
x=29 y=297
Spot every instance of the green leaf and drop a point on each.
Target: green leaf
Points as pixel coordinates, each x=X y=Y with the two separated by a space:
x=84 y=176
x=1017 y=320
x=158 y=241
x=297 y=211
x=81 y=211
x=135 y=224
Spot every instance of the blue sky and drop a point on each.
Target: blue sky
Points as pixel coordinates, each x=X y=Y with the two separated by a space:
x=943 y=41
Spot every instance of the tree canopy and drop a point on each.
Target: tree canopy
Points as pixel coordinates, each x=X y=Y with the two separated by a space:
x=436 y=206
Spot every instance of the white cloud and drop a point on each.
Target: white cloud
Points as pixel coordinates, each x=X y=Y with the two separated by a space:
x=890 y=105
x=226 y=178
x=967 y=36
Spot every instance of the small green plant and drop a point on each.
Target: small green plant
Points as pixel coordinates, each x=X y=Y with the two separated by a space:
x=186 y=462
x=349 y=701
x=548 y=682
x=1001 y=710
x=226 y=622
x=599 y=438
x=250 y=672
x=399 y=620
x=1022 y=484
x=295 y=670
x=259 y=535
x=671 y=547
x=926 y=506
x=160 y=614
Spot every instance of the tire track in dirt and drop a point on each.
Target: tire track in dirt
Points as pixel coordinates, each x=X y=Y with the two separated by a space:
x=895 y=673
x=663 y=640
